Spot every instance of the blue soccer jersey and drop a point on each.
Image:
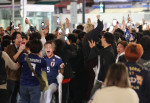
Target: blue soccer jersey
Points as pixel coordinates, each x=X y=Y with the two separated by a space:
x=53 y=65
x=139 y=79
x=27 y=77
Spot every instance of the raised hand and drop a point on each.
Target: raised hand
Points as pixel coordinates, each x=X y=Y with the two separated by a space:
x=21 y=48
x=62 y=65
x=47 y=22
x=91 y=43
x=60 y=24
x=98 y=17
x=68 y=42
x=19 y=28
x=143 y=20
x=89 y=21
x=67 y=23
x=27 y=21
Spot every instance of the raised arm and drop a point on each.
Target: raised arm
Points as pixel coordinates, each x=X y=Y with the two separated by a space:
x=21 y=48
x=67 y=25
x=96 y=32
x=27 y=22
x=61 y=68
x=99 y=27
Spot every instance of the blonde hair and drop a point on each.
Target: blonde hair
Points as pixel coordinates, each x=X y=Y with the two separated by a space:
x=117 y=75
x=52 y=43
x=88 y=27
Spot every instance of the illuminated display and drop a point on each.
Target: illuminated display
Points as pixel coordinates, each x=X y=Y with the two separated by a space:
x=117 y=0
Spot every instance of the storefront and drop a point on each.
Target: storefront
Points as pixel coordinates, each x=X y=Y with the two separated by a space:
x=35 y=13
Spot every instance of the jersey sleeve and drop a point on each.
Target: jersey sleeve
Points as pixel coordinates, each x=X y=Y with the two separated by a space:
x=43 y=64
x=22 y=58
x=59 y=63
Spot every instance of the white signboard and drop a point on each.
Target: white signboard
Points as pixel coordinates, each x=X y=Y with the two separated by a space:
x=39 y=8
x=112 y=0
x=73 y=11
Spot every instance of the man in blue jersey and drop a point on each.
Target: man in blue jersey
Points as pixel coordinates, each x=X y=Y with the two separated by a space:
x=30 y=89
x=54 y=67
x=139 y=76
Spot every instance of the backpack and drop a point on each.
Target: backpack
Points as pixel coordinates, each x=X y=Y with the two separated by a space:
x=2 y=70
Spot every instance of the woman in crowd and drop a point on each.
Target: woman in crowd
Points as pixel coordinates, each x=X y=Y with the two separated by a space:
x=117 y=87
x=5 y=61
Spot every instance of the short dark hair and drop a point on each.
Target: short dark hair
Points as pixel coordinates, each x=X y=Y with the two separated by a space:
x=14 y=35
x=60 y=44
x=81 y=27
x=35 y=35
x=6 y=37
x=124 y=43
x=146 y=32
x=35 y=46
x=135 y=37
x=110 y=39
x=145 y=42
x=117 y=36
x=24 y=36
x=77 y=31
x=117 y=75
x=5 y=43
x=72 y=38
x=139 y=36
x=81 y=35
x=49 y=37
x=120 y=31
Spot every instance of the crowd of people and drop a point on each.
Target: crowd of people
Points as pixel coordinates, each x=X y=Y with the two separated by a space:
x=118 y=58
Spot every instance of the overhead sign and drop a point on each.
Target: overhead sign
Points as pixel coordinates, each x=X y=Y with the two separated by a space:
x=117 y=0
x=102 y=7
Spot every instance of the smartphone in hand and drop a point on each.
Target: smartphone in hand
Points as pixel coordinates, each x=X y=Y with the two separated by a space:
x=43 y=25
x=58 y=20
x=67 y=31
x=114 y=22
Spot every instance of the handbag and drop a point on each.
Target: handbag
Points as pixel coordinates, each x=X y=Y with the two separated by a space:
x=43 y=79
x=97 y=84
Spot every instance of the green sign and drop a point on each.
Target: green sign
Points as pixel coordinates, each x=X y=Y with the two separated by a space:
x=102 y=7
